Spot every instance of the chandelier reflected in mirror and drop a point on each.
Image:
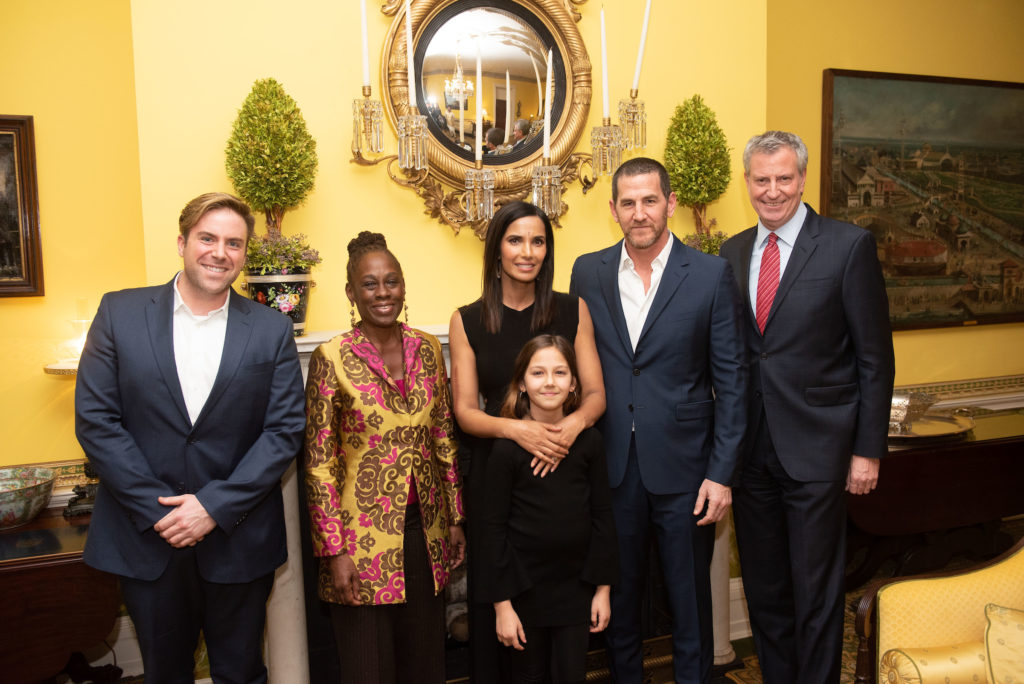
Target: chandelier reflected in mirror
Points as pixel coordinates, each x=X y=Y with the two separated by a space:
x=457 y=89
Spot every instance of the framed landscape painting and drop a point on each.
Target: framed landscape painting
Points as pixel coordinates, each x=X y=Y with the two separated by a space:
x=934 y=168
x=21 y=261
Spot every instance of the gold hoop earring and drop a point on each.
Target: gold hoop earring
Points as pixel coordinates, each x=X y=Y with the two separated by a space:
x=352 y=315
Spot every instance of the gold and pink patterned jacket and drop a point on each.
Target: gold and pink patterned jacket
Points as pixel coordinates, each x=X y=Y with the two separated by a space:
x=364 y=444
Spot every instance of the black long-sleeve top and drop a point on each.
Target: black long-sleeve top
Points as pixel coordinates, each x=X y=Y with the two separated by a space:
x=549 y=541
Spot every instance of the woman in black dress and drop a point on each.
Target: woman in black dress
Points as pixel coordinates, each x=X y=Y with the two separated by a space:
x=485 y=337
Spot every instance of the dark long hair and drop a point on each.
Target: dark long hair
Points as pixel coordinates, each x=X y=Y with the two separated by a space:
x=544 y=298
x=517 y=404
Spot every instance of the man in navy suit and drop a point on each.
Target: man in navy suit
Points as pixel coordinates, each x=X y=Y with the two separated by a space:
x=820 y=349
x=189 y=404
x=667 y=320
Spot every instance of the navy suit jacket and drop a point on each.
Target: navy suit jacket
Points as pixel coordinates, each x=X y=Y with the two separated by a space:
x=685 y=386
x=823 y=370
x=131 y=420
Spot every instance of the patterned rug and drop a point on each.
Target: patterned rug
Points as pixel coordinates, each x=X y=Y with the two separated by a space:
x=750 y=673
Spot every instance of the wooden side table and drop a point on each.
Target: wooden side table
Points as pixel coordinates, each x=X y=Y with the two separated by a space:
x=51 y=603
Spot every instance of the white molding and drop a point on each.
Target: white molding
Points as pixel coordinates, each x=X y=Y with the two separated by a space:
x=739 y=619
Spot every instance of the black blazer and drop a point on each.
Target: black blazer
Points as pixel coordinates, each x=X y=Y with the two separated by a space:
x=823 y=370
x=131 y=420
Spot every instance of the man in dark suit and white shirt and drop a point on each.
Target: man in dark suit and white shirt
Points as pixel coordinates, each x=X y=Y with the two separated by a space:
x=820 y=348
x=667 y=321
x=189 y=404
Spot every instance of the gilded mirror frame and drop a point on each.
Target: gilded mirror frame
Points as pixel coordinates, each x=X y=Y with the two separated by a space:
x=442 y=185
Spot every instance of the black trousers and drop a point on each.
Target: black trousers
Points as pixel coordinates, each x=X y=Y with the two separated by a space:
x=792 y=540
x=401 y=643
x=685 y=552
x=552 y=654
x=169 y=612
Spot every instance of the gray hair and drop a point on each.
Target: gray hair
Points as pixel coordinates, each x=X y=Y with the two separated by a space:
x=771 y=142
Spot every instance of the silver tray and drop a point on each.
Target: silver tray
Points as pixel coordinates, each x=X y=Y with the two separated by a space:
x=930 y=427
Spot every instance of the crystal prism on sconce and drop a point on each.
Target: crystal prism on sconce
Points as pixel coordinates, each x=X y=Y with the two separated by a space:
x=412 y=142
x=633 y=120
x=607 y=145
x=547 y=188
x=479 y=194
x=367 y=124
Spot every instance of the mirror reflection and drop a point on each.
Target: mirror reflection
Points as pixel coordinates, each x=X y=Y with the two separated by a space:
x=513 y=58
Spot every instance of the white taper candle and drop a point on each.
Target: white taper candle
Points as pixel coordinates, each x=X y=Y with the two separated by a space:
x=604 y=70
x=366 y=44
x=479 y=107
x=547 y=111
x=409 y=54
x=640 y=52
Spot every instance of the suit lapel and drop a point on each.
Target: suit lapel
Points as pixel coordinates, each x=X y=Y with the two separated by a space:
x=236 y=341
x=806 y=243
x=159 y=316
x=609 y=279
x=676 y=270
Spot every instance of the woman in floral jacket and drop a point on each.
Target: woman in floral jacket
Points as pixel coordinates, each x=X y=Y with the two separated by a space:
x=381 y=479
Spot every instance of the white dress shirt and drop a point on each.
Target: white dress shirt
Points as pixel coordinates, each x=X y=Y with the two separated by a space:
x=635 y=302
x=787 y=235
x=198 y=345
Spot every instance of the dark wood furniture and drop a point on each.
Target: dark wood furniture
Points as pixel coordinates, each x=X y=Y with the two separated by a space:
x=935 y=499
x=938 y=498
x=52 y=604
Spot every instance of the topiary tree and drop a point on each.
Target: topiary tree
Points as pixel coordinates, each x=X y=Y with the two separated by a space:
x=698 y=164
x=271 y=157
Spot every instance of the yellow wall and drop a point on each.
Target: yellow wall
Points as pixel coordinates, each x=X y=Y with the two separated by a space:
x=188 y=97
x=69 y=65
x=979 y=39
x=134 y=102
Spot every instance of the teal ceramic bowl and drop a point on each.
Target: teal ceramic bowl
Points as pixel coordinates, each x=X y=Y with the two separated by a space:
x=24 y=492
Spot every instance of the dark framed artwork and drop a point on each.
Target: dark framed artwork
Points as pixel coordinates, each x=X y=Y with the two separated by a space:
x=934 y=168
x=21 y=256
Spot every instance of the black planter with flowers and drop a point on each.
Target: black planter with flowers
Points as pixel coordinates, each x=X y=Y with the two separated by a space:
x=277 y=274
x=286 y=292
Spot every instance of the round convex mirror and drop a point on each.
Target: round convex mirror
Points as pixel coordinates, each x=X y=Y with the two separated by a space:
x=513 y=47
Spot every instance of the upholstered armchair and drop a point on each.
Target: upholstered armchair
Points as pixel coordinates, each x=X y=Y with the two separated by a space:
x=948 y=627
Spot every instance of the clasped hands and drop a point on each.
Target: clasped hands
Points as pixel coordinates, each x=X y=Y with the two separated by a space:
x=549 y=443
x=187 y=523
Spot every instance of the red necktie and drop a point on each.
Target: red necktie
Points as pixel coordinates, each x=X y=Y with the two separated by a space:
x=767 y=280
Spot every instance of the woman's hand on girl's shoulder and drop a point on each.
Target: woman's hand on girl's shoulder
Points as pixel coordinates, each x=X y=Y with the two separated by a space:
x=565 y=433
x=541 y=440
x=507 y=626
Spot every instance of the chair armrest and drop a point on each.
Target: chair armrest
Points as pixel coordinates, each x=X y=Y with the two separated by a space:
x=865 y=626
x=866 y=620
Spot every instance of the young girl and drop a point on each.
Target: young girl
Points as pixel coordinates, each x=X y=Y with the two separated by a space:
x=550 y=552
